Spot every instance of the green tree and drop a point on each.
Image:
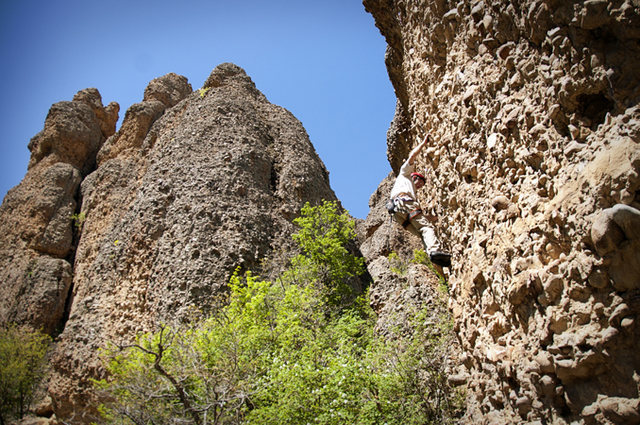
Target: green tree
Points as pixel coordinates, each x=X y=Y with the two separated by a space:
x=21 y=362
x=324 y=236
x=297 y=350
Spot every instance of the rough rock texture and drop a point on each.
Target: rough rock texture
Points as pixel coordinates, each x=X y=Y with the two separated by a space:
x=193 y=185
x=394 y=298
x=534 y=174
x=36 y=232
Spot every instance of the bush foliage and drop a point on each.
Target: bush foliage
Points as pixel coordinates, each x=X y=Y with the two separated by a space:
x=21 y=359
x=298 y=350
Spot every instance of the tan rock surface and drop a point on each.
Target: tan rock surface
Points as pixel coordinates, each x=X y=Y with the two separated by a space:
x=36 y=226
x=533 y=174
x=533 y=108
x=193 y=185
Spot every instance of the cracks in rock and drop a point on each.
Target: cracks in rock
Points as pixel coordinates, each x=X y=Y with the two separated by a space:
x=77 y=223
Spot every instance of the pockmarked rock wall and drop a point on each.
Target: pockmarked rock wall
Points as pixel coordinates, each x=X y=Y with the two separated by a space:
x=193 y=185
x=36 y=229
x=533 y=171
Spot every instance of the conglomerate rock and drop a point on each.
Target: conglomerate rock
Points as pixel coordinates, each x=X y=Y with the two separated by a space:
x=533 y=172
x=36 y=230
x=192 y=186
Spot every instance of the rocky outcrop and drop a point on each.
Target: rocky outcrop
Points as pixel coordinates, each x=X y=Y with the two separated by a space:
x=394 y=295
x=533 y=174
x=533 y=169
x=36 y=232
x=192 y=186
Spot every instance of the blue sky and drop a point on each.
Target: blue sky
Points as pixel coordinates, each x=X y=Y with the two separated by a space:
x=322 y=60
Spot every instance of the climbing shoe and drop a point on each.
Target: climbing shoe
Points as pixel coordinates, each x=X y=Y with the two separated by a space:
x=440 y=258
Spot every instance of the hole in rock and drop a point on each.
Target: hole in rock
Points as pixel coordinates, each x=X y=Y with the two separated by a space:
x=274 y=178
x=594 y=107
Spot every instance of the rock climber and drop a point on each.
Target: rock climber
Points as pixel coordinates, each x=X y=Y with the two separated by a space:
x=406 y=210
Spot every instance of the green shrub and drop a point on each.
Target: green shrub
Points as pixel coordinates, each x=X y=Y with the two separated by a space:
x=297 y=350
x=396 y=265
x=78 y=220
x=421 y=257
x=326 y=262
x=21 y=359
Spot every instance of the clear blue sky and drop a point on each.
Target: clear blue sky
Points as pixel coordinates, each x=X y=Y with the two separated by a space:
x=322 y=60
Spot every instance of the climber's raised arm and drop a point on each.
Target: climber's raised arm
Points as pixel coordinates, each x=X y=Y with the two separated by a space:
x=414 y=153
x=405 y=208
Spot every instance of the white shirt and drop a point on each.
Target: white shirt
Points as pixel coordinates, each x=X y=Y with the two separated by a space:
x=404 y=184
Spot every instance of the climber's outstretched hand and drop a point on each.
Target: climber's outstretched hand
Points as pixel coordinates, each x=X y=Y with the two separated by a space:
x=426 y=139
x=414 y=153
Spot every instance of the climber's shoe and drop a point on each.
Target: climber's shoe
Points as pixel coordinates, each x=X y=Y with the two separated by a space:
x=440 y=258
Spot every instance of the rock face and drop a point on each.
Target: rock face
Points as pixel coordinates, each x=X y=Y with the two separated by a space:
x=36 y=232
x=394 y=295
x=534 y=174
x=193 y=185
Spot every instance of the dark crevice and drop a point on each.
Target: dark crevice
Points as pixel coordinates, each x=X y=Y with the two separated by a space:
x=274 y=177
x=77 y=224
x=594 y=107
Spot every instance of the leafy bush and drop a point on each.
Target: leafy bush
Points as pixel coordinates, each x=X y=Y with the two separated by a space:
x=297 y=350
x=421 y=257
x=326 y=262
x=396 y=265
x=21 y=359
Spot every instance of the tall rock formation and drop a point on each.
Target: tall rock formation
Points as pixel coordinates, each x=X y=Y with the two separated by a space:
x=36 y=232
x=534 y=174
x=192 y=186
